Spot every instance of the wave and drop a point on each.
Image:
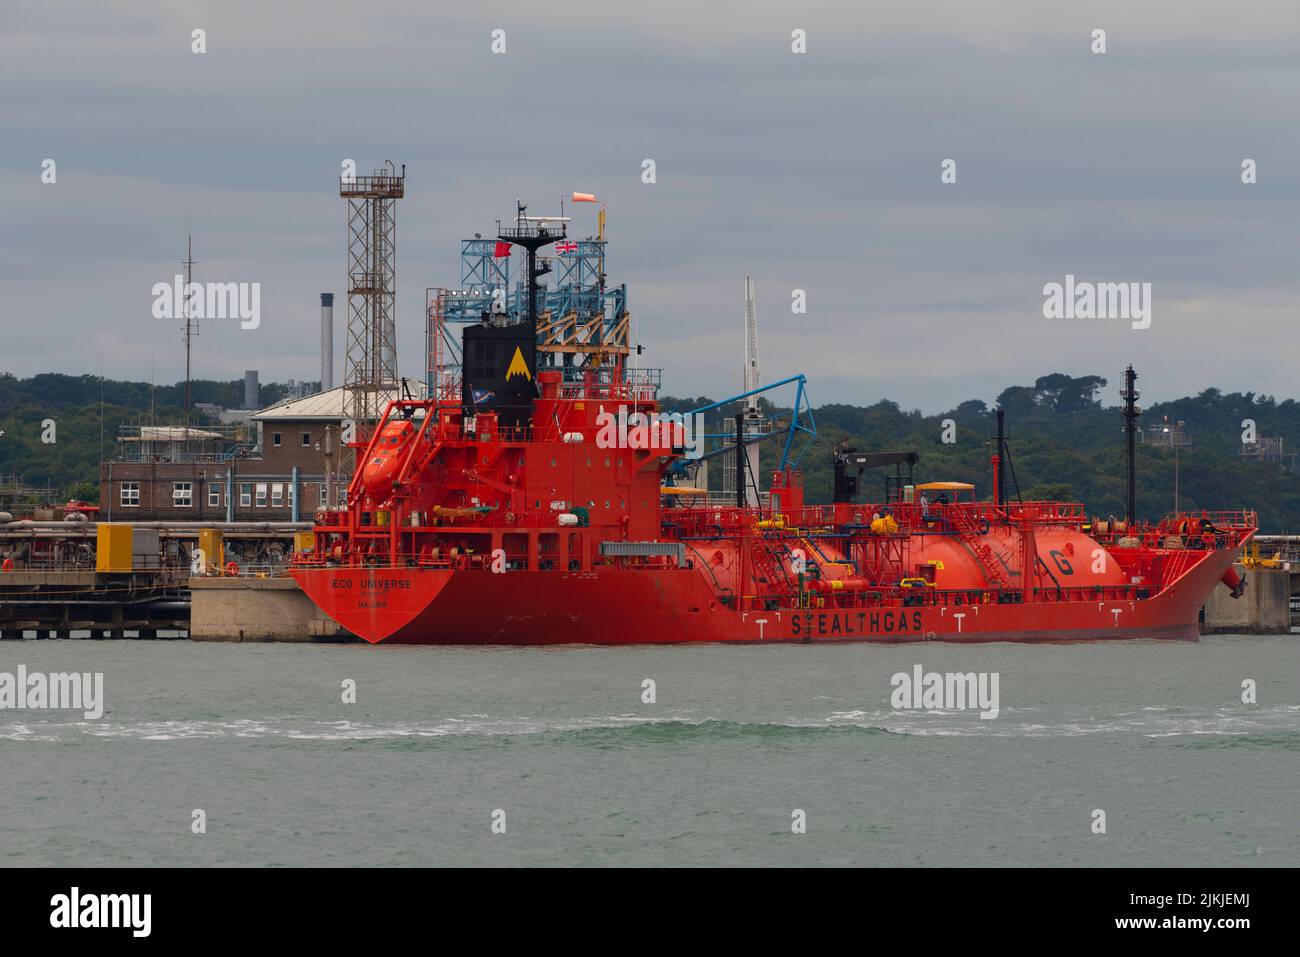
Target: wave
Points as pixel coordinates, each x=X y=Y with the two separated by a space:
x=1272 y=728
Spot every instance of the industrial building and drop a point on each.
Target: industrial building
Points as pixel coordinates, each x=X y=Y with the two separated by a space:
x=273 y=469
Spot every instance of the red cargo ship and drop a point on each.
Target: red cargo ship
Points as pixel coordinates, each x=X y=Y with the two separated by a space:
x=506 y=509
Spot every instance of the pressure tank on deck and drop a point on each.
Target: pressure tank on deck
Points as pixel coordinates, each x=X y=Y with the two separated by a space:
x=1070 y=559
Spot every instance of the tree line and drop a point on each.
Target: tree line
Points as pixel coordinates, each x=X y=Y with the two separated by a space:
x=1065 y=441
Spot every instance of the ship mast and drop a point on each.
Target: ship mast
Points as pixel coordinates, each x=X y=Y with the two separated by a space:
x=1131 y=413
x=751 y=424
x=532 y=233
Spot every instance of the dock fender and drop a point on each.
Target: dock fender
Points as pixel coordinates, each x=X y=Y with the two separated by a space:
x=1235 y=582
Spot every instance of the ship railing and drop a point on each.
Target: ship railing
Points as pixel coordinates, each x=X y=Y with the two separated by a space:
x=1236 y=519
x=258 y=570
x=611 y=383
x=515 y=561
x=48 y=564
x=1163 y=538
x=946 y=517
x=612 y=392
x=510 y=433
x=492 y=433
x=1178 y=530
x=1043 y=513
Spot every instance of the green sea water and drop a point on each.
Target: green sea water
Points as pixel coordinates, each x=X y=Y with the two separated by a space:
x=559 y=746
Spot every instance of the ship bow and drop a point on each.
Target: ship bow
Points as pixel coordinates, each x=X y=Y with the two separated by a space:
x=376 y=604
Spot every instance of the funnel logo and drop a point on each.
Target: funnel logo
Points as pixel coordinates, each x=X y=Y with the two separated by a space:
x=518 y=366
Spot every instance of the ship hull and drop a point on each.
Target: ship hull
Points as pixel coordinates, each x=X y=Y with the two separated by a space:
x=664 y=606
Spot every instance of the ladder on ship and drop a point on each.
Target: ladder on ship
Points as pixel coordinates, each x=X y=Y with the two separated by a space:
x=973 y=537
x=1178 y=562
x=768 y=566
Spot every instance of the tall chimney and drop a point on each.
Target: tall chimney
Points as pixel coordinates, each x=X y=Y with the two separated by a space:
x=252 y=390
x=326 y=341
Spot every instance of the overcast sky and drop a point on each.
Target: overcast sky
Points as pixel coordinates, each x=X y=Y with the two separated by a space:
x=818 y=171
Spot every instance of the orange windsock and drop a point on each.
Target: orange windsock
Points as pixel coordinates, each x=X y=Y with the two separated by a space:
x=584 y=197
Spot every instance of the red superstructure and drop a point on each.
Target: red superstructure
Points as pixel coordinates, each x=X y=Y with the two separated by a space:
x=462 y=530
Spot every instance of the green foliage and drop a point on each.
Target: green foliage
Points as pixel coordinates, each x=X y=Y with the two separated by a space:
x=1051 y=492
x=70 y=464
x=1065 y=444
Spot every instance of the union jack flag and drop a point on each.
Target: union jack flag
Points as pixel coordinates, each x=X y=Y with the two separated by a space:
x=563 y=248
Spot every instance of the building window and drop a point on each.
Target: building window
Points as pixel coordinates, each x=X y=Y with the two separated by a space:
x=182 y=494
x=214 y=496
x=130 y=494
x=343 y=497
x=275 y=439
x=246 y=494
x=306 y=439
x=277 y=495
x=322 y=495
x=261 y=495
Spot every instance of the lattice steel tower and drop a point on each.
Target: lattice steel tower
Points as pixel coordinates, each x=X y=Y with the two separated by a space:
x=371 y=377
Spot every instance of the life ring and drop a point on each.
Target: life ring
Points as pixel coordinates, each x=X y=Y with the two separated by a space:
x=510 y=518
x=7 y=565
x=232 y=569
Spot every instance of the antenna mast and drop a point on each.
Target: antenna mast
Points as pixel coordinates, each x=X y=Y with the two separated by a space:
x=532 y=238
x=746 y=436
x=191 y=329
x=751 y=349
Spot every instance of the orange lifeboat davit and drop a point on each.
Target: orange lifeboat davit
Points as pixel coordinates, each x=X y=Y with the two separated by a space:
x=385 y=458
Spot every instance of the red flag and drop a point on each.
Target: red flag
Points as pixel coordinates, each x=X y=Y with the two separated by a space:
x=503 y=249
